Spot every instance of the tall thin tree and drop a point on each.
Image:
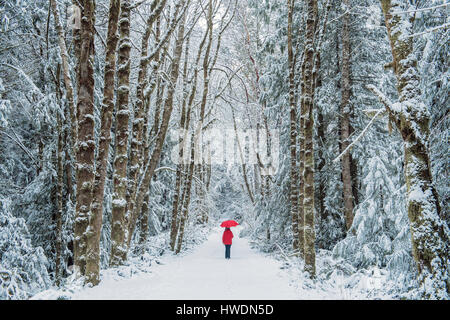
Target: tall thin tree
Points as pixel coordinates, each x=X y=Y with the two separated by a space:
x=119 y=218
x=307 y=103
x=95 y=221
x=85 y=148
x=345 y=109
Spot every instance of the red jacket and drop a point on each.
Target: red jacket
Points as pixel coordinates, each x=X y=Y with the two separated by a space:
x=227 y=236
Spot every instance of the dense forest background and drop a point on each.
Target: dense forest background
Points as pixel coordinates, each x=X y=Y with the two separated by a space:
x=352 y=93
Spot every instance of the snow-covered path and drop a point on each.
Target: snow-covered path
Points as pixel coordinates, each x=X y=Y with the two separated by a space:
x=203 y=274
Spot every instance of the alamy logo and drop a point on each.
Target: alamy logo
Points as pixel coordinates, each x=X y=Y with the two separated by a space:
x=374 y=280
x=74 y=20
x=374 y=17
x=223 y=146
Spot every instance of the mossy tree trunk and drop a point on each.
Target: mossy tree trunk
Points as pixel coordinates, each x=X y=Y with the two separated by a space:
x=293 y=196
x=167 y=112
x=119 y=219
x=140 y=118
x=307 y=103
x=85 y=141
x=95 y=220
x=429 y=233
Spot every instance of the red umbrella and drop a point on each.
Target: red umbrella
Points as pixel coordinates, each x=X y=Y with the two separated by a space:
x=229 y=223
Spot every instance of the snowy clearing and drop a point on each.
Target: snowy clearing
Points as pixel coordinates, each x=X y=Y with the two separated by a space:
x=203 y=274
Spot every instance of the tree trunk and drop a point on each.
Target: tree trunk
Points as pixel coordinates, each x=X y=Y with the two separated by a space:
x=95 y=221
x=317 y=82
x=149 y=134
x=66 y=73
x=59 y=197
x=241 y=154
x=156 y=82
x=140 y=117
x=293 y=133
x=168 y=107
x=59 y=183
x=321 y=192
x=429 y=234
x=200 y=152
x=184 y=125
x=86 y=143
x=76 y=34
x=187 y=198
x=308 y=118
x=71 y=106
x=301 y=186
x=119 y=218
x=345 y=119
x=183 y=176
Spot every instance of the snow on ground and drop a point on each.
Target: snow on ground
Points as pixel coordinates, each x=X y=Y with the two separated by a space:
x=203 y=274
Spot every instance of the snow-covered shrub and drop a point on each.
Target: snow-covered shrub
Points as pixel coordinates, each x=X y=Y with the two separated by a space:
x=380 y=234
x=23 y=268
x=4 y=106
x=36 y=205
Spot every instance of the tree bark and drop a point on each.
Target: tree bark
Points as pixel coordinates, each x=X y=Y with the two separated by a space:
x=95 y=221
x=301 y=185
x=183 y=174
x=293 y=133
x=156 y=82
x=200 y=152
x=345 y=107
x=168 y=107
x=317 y=80
x=59 y=183
x=119 y=218
x=151 y=164
x=429 y=233
x=186 y=198
x=184 y=125
x=66 y=73
x=86 y=143
x=321 y=187
x=140 y=117
x=308 y=118
x=60 y=199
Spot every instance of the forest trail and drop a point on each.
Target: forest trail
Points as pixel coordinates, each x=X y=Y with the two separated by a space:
x=203 y=274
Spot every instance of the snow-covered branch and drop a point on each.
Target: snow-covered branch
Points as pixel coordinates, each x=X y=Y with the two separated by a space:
x=422 y=9
x=387 y=104
x=445 y=25
x=360 y=135
x=383 y=99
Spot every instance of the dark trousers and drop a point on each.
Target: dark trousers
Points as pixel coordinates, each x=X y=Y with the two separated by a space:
x=227 y=251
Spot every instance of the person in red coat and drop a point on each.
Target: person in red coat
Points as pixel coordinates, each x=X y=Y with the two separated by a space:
x=227 y=241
